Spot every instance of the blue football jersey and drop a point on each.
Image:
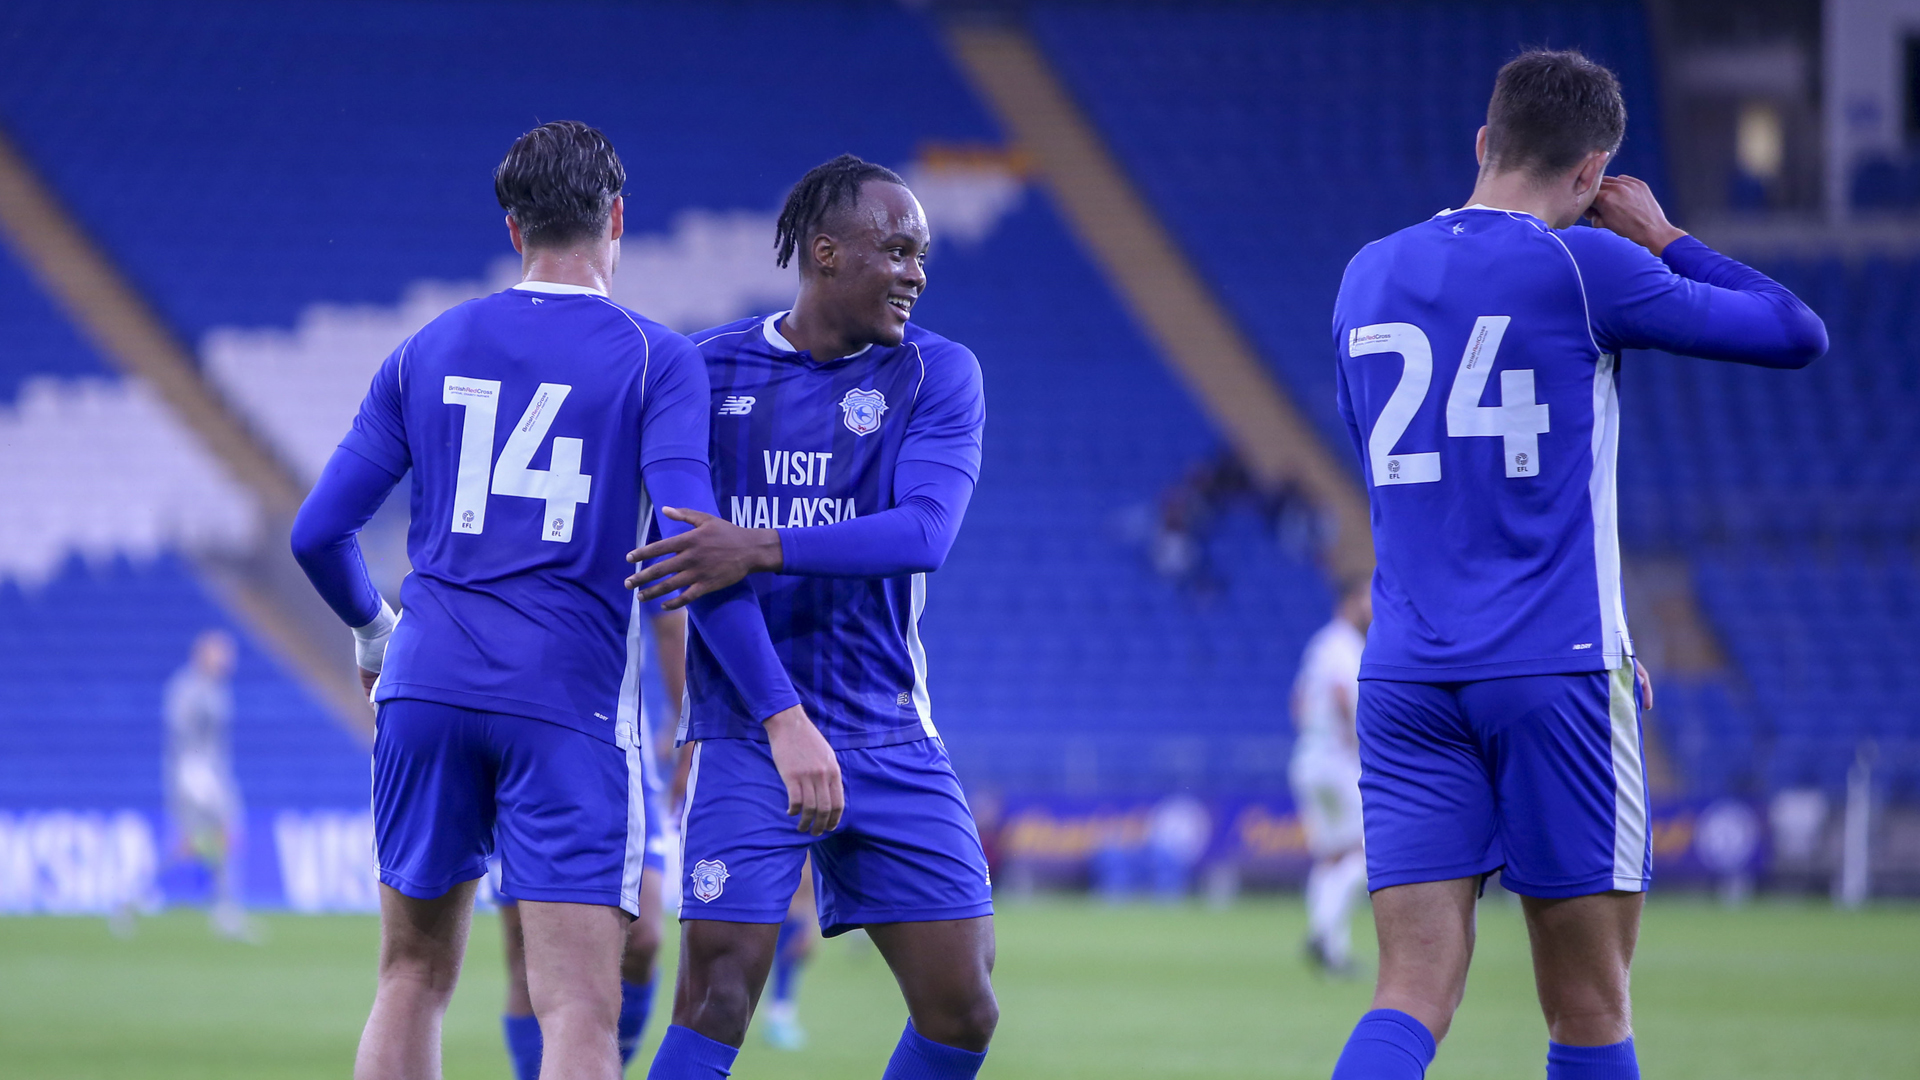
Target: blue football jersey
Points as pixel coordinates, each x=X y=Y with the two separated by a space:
x=797 y=443
x=1479 y=377
x=526 y=418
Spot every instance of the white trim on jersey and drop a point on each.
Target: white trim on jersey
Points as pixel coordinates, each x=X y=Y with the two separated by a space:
x=922 y=701
x=1602 y=489
x=1629 y=784
x=1602 y=493
x=634 y=860
x=630 y=738
x=770 y=326
x=560 y=287
x=686 y=806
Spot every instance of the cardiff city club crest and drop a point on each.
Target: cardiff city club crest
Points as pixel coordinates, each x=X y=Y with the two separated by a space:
x=861 y=410
x=709 y=879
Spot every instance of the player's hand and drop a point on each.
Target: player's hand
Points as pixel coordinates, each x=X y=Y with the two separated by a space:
x=1627 y=206
x=712 y=555
x=367 y=679
x=1646 y=686
x=809 y=768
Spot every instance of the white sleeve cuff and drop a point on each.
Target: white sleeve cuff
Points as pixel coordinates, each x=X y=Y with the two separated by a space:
x=370 y=641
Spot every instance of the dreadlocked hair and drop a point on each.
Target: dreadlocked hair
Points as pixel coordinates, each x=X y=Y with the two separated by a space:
x=819 y=194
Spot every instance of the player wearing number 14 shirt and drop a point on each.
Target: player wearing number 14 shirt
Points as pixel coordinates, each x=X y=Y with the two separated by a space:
x=534 y=423
x=1479 y=374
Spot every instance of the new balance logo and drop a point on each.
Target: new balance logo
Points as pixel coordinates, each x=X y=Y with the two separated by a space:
x=736 y=405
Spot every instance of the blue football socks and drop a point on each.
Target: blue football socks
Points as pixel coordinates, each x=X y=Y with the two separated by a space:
x=1615 y=1062
x=786 y=966
x=636 y=1002
x=523 y=1045
x=920 y=1058
x=1386 y=1044
x=685 y=1054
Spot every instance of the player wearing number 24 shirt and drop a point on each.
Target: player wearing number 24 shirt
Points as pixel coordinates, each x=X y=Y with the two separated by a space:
x=1479 y=372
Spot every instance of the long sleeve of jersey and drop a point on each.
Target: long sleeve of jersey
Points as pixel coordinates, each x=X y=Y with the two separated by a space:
x=913 y=536
x=729 y=621
x=1691 y=300
x=326 y=533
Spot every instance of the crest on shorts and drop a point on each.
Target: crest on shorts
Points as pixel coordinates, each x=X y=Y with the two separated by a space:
x=861 y=410
x=709 y=880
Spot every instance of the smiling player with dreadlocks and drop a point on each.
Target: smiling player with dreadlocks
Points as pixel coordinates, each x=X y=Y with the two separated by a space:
x=845 y=447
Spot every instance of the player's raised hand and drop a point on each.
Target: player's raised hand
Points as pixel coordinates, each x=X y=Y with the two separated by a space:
x=809 y=768
x=712 y=555
x=1626 y=205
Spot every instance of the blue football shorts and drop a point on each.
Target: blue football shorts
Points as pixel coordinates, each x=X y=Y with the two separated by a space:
x=567 y=812
x=1537 y=776
x=653 y=789
x=906 y=850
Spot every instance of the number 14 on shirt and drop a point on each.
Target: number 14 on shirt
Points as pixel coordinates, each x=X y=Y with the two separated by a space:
x=563 y=486
x=1518 y=420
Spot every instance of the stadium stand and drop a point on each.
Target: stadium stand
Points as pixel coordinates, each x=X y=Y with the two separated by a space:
x=1792 y=495
x=1788 y=491
x=95 y=611
x=1276 y=140
x=1059 y=660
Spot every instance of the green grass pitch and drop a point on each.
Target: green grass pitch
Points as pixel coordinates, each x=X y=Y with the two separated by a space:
x=1774 y=989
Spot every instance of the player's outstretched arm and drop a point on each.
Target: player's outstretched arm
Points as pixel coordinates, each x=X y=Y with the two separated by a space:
x=326 y=544
x=1690 y=299
x=732 y=625
x=911 y=537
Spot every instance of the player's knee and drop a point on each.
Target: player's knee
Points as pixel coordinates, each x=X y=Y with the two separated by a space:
x=965 y=1024
x=419 y=971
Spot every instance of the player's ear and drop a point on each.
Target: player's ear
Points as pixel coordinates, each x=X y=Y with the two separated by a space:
x=825 y=254
x=617 y=218
x=513 y=233
x=1591 y=170
x=1480 y=146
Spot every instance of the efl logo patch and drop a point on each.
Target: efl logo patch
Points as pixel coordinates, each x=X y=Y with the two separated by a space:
x=861 y=410
x=709 y=880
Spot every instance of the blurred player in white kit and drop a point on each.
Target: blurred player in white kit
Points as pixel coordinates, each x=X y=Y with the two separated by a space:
x=1325 y=775
x=203 y=800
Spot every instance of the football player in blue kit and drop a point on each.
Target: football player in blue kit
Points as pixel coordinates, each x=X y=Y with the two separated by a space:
x=846 y=445
x=1498 y=717
x=535 y=423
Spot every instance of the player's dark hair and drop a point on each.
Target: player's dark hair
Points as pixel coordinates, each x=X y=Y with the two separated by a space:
x=1551 y=109
x=824 y=191
x=559 y=182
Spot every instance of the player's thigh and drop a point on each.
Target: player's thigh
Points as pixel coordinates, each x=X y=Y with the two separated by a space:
x=1427 y=795
x=907 y=849
x=433 y=796
x=567 y=827
x=573 y=954
x=1572 y=783
x=423 y=939
x=741 y=852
